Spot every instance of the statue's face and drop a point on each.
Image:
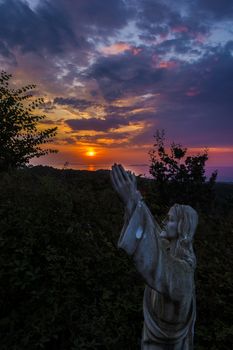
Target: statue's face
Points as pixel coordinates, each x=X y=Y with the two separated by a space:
x=170 y=225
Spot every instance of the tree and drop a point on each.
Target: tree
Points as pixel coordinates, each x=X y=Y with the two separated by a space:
x=20 y=138
x=177 y=181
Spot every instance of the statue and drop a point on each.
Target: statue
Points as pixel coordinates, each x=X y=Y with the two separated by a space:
x=166 y=261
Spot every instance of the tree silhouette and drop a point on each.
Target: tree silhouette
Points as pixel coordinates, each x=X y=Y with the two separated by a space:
x=20 y=138
x=180 y=181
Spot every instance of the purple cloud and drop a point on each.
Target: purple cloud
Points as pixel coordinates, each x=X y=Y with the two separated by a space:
x=79 y=104
x=96 y=124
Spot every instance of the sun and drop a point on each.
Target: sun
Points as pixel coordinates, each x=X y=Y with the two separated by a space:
x=90 y=153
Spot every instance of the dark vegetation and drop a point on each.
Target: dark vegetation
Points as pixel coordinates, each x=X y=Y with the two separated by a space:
x=20 y=137
x=180 y=178
x=64 y=283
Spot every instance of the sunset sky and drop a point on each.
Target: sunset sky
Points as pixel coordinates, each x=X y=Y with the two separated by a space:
x=114 y=71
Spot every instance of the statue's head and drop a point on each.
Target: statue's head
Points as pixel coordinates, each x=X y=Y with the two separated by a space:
x=181 y=225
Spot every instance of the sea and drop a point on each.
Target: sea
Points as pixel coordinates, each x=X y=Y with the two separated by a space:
x=225 y=173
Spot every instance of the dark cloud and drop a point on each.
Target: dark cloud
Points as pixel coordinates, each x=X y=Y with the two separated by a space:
x=126 y=73
x=57 y=26
x=179 y=45
x=159 y=17
x=153 y=15
x=198 y=105
x=60 y=26
x=79 y=104
x=96 y=124
x=141 y=102
x=217 y=9
x=209 y=80
x=98 y=16
x=46 y=29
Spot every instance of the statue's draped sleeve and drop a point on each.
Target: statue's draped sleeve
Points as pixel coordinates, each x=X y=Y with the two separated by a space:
x=140 y=238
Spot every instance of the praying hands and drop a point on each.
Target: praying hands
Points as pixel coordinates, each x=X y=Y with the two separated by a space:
x=125 y=184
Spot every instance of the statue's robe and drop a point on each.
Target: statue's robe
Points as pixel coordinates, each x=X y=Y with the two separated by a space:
x=169 y=298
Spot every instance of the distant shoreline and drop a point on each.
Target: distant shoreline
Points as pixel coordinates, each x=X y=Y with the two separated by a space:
x=141 y=169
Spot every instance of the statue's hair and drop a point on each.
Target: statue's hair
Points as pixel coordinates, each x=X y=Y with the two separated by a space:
x=187 y=223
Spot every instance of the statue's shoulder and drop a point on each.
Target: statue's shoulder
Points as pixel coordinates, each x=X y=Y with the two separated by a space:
x=176 y=262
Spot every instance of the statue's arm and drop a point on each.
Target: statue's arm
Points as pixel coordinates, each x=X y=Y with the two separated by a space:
x=139 y=239
x=137 y=221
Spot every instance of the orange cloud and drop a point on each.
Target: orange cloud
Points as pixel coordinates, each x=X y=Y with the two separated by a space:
x=168 y=64
x=118 y=48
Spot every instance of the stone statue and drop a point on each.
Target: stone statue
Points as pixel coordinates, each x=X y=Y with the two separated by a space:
x=166 y=261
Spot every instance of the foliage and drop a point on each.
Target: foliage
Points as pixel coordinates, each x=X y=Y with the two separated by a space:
x=66 y=286
x=180 y=182
x=214 y=282
x=64 y=283
x=20 y=138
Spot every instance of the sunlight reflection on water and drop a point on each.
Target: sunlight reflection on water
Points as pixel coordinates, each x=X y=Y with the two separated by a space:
x=138 y=169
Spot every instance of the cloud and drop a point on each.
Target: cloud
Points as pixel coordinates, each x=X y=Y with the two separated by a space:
x=119 y=75
x=51 y=41
x=73 y=102
x=216 y=9
x=194 y=101
x=56 y=26
x=198 y=105
x=105 y=136
x=118 y=48
x=47 y=28
x=97 y=16
x=96 y=124
x=162 y=16
x=186 y=96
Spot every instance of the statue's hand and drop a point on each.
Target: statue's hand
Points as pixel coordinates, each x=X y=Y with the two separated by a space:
x=125 y=184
